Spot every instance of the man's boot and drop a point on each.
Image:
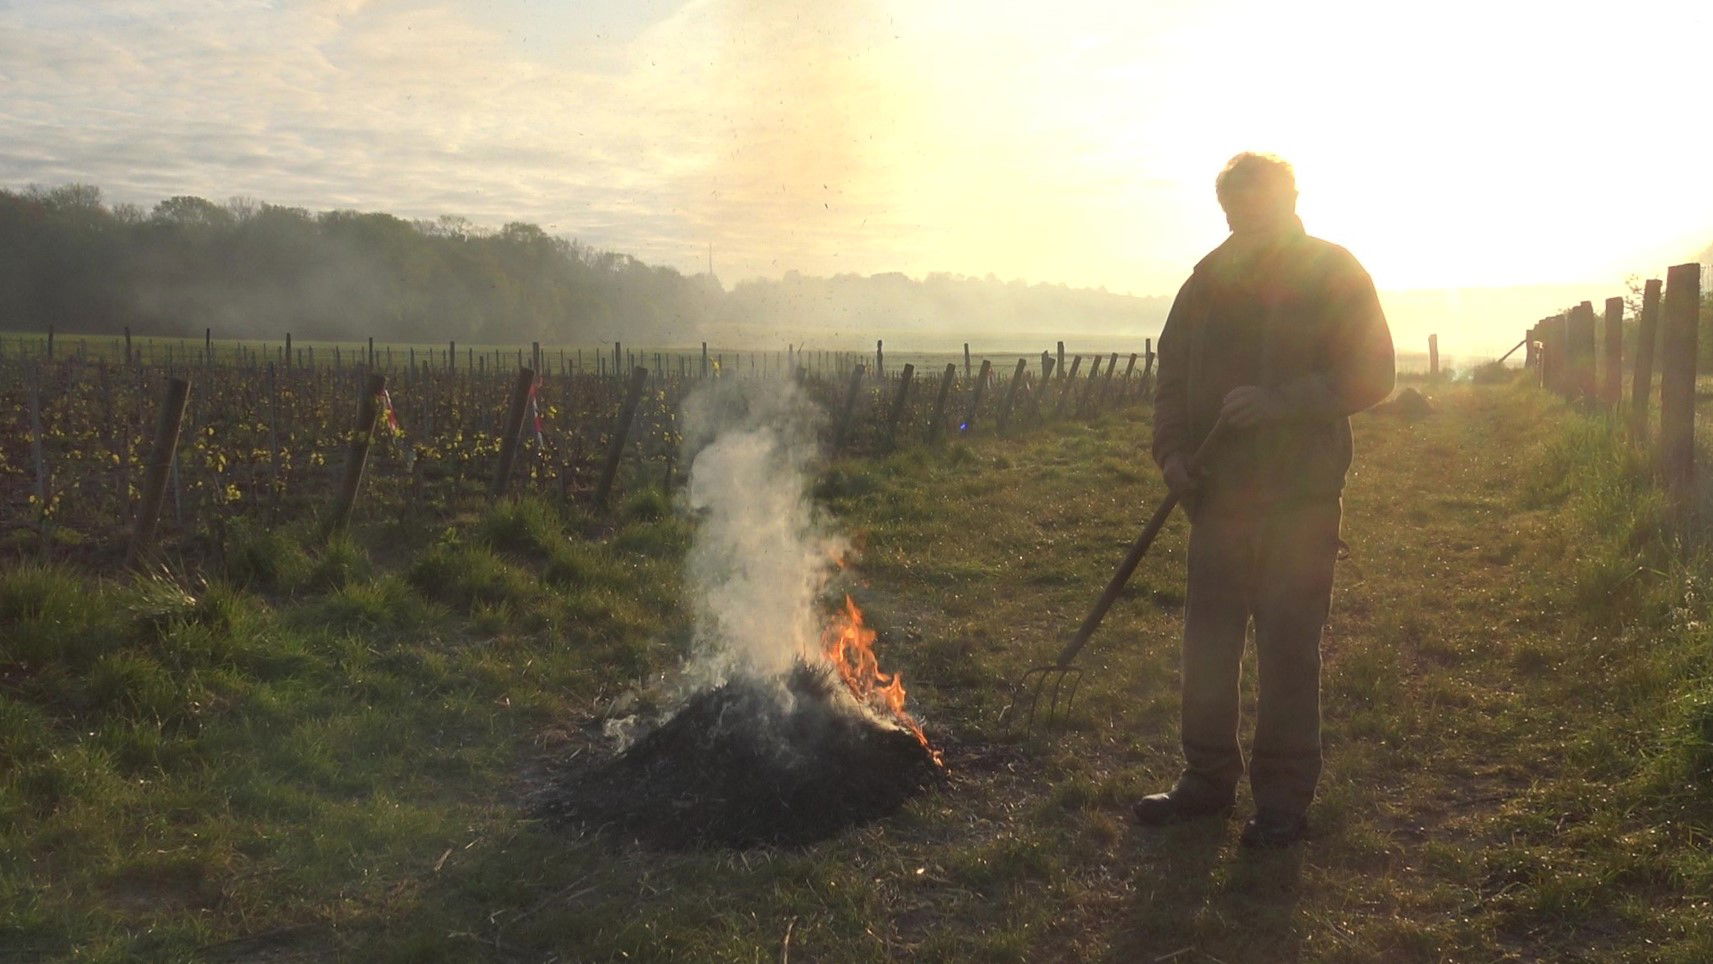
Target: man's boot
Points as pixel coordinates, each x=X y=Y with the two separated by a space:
x=1270 y=829
x=1178 y=805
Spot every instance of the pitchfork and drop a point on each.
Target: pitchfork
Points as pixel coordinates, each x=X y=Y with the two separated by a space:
x=1060 y=681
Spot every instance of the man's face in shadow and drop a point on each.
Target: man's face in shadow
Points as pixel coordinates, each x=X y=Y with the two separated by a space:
x=1259 y=208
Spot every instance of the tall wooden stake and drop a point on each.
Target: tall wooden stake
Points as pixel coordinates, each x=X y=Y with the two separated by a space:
x=1011 y=393
x=1677 y=379
x=938 y=423
x=621 y=429
x=513 y=428
x=904 y=378
x=357 y=455
x=1642 y=380
x=1612 y=385
x=160 y=463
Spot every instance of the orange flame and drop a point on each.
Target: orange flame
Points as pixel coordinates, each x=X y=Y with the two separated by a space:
x=849 y=645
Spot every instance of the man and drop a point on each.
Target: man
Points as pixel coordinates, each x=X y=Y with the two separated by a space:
x=1280 y=337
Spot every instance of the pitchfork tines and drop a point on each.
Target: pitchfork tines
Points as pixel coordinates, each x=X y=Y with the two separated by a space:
x=1058 y=684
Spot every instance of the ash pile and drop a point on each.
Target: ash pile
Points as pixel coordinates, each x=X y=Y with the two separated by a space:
x=782 y=760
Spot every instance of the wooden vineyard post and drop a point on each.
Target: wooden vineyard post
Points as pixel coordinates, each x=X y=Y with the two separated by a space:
x=1612 y=386
x=879 y=358
x=161 y=457
x=845 y=410
x=1086 y=400
x=621 y=429
x=937 y=424
x=968 y=424
x=1581 y=383
x=1642 y=380
x=512 y=430
x=966 y=360
x=898 y=400
x=1677 y=379
x=1040 y=391
x=37 y=449
x=1106 y=383
x=1061 y=364
x=1067 y=384
x=1124 y=389
x=1011 y=394
x=1555 y=370
x=357 y=454
x=1433 y=357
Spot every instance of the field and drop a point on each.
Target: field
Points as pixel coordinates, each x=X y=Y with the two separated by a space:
x=286 y=749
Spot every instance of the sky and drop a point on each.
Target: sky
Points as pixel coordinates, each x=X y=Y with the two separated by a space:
x=1451 y=146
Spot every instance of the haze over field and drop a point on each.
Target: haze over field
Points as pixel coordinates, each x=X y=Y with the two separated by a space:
x=1543 y=148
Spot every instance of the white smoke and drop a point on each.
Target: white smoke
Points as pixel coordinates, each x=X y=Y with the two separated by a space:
x=760 y=555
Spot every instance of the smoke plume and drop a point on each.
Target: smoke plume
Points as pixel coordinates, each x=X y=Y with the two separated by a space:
x=760 y=554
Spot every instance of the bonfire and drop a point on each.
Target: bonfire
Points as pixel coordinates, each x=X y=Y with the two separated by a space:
x=785 y=759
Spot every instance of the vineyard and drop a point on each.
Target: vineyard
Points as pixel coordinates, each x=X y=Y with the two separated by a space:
x=268 y=431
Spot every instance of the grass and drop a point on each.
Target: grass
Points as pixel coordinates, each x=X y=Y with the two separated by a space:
x=324 y=752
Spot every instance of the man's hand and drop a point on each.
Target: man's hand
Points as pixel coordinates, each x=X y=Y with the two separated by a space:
x=1178 y=477
x=1251 y=405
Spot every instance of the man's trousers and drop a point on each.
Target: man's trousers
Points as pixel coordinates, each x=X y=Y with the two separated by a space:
x=1272 y=564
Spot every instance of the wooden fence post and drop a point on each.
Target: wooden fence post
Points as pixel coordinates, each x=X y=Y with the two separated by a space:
x=1124 y=390
x=1068 y=383
x=966 y=360
x=938 y=423
x=1612 y=386
x=512 y=430
x=1580 y=369
x=1642 y=380
x=1433 y=357
x=1106 y=383
x=1677 y=379
x=1047 y=364
x=879 y=358
x=38 y=448
x=904 y=378
x=845 y=411
x=968 y=424
x=161 y=457
x=357 y=455
x=621 y=429
x=1011 y=393
x=1061 y=365
x=1086 y=399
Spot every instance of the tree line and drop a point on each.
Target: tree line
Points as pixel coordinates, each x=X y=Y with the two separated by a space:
x=246 y=268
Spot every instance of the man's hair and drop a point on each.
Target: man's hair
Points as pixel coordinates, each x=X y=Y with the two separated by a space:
x=1249 y=170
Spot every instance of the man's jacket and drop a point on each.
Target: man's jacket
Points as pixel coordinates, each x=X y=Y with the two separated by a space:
x=1290 y=313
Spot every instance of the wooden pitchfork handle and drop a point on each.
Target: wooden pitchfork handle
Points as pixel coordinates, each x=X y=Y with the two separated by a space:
x=1138 y=549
